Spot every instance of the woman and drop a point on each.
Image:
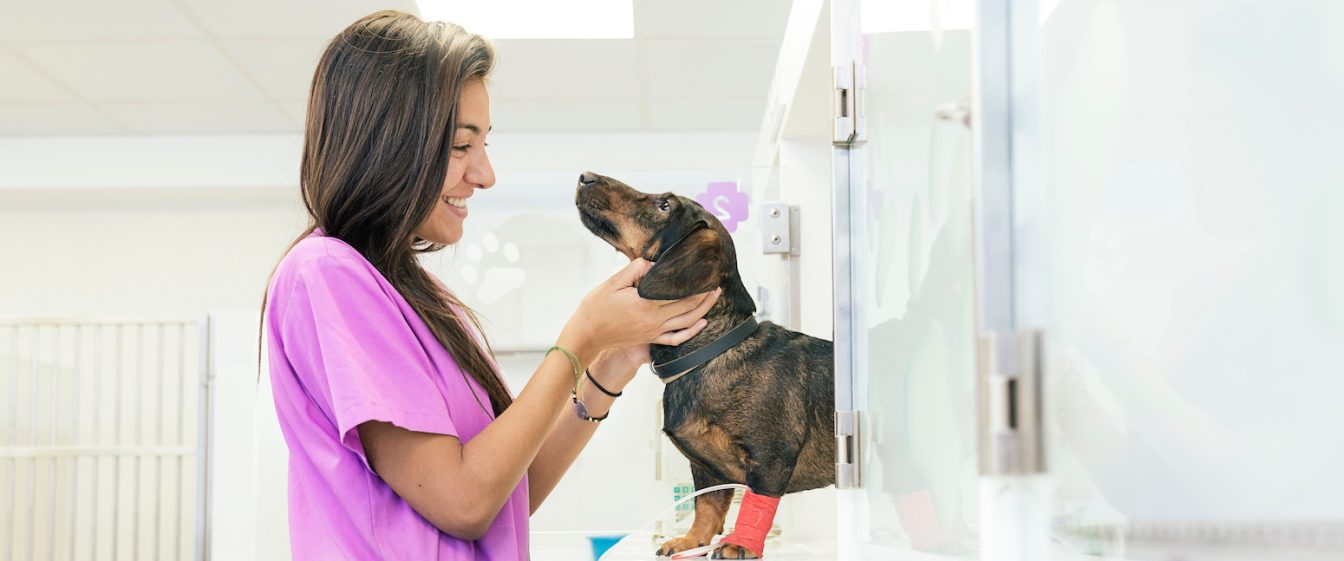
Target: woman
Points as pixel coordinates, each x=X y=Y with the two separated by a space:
x=404 y=442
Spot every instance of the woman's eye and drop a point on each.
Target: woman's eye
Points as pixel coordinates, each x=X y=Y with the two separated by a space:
x=664 y=206
x=462 y=148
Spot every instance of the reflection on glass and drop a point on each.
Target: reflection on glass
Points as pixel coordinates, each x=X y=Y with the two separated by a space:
x=1183 y=254
x=920 y=466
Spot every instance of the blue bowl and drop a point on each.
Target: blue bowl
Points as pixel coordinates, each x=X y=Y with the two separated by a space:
x=602 y=543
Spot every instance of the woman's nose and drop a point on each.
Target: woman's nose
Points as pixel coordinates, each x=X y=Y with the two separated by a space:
x=484 y=176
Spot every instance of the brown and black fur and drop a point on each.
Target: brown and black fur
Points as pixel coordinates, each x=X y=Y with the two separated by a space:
x=761 y=414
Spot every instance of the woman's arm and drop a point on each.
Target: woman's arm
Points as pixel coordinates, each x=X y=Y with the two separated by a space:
x=570 y=434
x=459 y=487
x=613 y=370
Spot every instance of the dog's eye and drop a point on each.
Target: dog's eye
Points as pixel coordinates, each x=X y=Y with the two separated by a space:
x=664 y=206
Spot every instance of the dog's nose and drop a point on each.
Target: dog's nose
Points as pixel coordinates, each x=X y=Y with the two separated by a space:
x=587 y=178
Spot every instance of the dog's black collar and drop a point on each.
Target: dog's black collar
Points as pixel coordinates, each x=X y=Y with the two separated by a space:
x=671 y=370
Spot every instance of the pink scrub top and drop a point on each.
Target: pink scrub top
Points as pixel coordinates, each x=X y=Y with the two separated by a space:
x=346 y=348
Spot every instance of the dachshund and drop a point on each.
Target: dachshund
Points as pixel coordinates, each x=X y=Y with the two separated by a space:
x=746 y=403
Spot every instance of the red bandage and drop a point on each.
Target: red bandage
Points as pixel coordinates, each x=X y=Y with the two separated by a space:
x=753 y=522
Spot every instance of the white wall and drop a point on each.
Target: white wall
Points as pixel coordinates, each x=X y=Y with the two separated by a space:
x=139 y=252
x=805 y=180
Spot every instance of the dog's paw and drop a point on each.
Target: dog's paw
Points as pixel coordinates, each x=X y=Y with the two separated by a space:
x=679 y=545
x=734 y=551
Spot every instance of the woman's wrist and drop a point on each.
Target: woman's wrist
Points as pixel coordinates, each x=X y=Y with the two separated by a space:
x=612 y=371
x=595 y=383
x=580 y=346
x=606 y=377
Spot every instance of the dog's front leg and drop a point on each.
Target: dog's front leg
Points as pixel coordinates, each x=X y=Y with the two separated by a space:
x=768 y=477
x=710 y=511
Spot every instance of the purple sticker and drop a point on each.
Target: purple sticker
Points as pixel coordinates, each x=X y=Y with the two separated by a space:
x=725 y=202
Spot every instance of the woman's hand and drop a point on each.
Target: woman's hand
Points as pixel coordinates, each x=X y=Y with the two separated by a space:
x=613 y=316
x=614 y=368
x=636 y=356
x=633 y=356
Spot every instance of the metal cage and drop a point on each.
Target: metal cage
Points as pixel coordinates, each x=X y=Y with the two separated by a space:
x=102 y=446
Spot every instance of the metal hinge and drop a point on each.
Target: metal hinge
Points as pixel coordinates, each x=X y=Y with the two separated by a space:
x=1011 y=435
x=848 y=93
x=847 y=450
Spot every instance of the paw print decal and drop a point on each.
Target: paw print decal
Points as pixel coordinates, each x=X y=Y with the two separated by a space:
x=492 y=269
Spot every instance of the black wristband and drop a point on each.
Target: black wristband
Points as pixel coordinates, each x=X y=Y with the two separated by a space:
x=589 y=374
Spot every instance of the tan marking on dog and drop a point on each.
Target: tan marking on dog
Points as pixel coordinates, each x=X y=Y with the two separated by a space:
x=711 y=509
x=716 y=448
x=631 y=242
x=620 y=203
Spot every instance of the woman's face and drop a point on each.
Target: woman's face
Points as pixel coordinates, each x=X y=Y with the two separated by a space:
x=468 y=167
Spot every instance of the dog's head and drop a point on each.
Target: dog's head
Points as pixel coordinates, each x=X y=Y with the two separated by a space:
x=690 y=249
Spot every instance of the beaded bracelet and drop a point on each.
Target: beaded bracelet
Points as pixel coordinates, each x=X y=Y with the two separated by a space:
x=580 y=409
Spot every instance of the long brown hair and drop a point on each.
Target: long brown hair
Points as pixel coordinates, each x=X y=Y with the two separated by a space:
x=381 y=114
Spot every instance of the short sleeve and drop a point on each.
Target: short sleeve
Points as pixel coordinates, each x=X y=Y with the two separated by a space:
x=345 y=330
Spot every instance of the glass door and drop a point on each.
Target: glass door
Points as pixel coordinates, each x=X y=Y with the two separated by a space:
x=919 y=446
x=1180 y=245
x=1154 y=187
x=907 y=230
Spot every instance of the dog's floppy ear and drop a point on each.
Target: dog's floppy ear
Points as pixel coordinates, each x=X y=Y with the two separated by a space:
x=693 y=265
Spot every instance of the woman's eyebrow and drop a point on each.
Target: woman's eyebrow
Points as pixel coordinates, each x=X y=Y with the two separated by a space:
x=473 y=128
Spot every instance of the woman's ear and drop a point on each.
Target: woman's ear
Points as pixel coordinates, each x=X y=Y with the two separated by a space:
x=693 y=266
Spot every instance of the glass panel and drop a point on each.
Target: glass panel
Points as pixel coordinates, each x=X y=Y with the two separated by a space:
x=1183 y=253
x=919 y=454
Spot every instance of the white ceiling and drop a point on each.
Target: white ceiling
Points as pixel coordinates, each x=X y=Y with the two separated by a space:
x=76 y=67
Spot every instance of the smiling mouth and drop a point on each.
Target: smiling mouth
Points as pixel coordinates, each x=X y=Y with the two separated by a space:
x=459 y=202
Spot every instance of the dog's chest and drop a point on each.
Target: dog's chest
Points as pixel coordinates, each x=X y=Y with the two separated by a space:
x=702 y=440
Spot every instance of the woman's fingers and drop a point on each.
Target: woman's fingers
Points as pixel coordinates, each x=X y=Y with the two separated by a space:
x=689 y=317
x=686 y=304
x=692 y=302
x=680 y=336
x=631 y=274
